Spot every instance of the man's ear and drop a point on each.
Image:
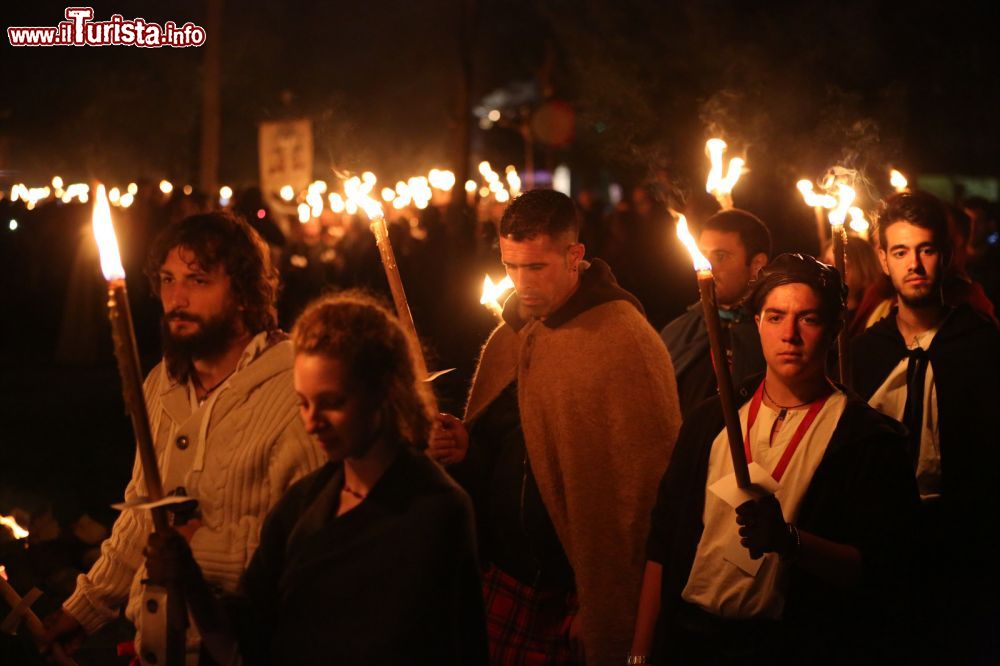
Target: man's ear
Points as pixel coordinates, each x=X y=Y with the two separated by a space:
x=576 y=252
x=758 y=262
x=882 y=261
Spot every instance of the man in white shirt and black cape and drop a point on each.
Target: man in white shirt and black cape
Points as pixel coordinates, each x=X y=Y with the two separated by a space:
x=813 y=570
x=936 y=368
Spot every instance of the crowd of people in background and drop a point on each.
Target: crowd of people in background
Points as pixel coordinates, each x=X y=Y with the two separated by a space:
x=591 y=458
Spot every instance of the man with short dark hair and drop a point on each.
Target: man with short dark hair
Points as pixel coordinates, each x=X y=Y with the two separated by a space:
x=738 y=245
x=937 y=369
x=222 y=411
x=572 y=414
x=808 y=573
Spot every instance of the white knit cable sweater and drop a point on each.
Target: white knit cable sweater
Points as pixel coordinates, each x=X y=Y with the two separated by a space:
x=255 y=448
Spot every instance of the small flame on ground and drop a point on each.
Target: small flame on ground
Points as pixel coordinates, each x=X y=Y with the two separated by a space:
x=104 y=234
x=701 y=264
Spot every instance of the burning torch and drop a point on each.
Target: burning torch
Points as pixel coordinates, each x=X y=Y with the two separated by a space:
x=710 y=310
x=164 y=612
x=718 y=185
x=838 y=216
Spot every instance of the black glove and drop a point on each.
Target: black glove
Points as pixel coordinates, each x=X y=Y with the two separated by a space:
x=169 y=559
x=763 y=528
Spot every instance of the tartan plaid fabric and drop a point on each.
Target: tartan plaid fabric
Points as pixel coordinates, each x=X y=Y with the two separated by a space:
x=527 y=626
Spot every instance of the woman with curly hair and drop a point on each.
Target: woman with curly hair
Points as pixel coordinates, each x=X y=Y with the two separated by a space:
x=370 y=559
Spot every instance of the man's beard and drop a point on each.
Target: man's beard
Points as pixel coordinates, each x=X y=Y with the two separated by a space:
x=211 y=339
x=921 y=299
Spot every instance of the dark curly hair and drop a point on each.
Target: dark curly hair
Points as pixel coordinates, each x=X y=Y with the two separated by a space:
x=801 y=268
x=358 y=331
x=539 y=212
x=920 y=209
x=223 y=239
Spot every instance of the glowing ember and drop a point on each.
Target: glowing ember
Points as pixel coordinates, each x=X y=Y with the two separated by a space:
x=701 y=264
x=493 y=292
x=898 y=181
x=107 y=242
x=18 y=531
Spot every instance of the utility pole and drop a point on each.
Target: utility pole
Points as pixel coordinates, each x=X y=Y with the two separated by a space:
x=463 y=125
x=208 y=178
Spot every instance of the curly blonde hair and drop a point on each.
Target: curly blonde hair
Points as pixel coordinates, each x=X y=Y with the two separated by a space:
x=362 y=334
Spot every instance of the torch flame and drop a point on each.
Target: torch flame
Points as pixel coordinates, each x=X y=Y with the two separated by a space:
x=845 y=197
x=719 y=185
x=812 y=198
x=898 y=180
x=107 y=242
x=372 y=208
x=714 y=148
x=735 y=171
x=9 y=522
x=701 y=264
x=859 y=224
x=493 y=292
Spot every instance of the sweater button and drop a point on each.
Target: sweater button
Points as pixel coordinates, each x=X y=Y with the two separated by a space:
x=182 y=442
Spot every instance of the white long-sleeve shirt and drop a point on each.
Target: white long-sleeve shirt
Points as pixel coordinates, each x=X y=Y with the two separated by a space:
x=236 y=454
